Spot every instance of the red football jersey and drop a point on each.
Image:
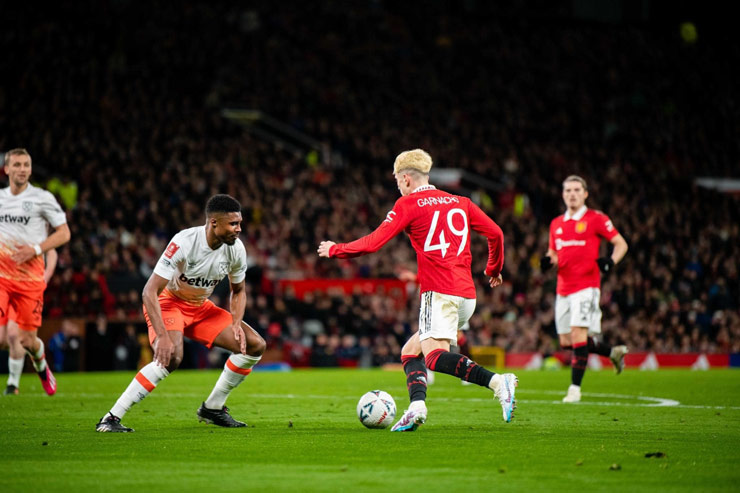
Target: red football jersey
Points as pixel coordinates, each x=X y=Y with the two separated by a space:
x=438 y=224
x=576 y=241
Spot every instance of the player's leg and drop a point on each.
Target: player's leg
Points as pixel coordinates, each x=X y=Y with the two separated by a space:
x=438 y=327
x=416 y=383
x=16 y=356
x=237 y=367
x=147 y=379
x=597 y=346
x=26 y=307
x=582 y=309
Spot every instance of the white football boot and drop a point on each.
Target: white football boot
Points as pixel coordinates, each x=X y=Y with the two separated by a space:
x=617 y=357
x=573 y=395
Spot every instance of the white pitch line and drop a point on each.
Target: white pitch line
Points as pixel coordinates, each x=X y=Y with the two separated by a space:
x=651 y=401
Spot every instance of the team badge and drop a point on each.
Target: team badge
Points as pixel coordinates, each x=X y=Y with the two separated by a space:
x=581 y=226
x=172 y=248
x=223 y=268
x=27 y=206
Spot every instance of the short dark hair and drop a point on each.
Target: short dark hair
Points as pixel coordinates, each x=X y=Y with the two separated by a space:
x=222 y=203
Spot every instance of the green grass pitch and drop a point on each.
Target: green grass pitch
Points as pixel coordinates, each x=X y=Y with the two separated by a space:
x=303 y=435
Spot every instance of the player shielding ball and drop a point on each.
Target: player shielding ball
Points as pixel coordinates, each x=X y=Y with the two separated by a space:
x=26 y=213
x=574 y=243
x=438 y=224
x=176 y=304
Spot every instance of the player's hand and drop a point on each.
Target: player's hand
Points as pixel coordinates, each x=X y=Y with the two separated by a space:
x=23 y=254
x=240 y=338
x=606 y=264
x=324 y=248
x=545 y=263
x=164 y=348
x=496 y=281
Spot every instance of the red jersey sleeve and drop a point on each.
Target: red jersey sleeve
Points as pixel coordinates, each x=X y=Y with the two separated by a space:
x=396 y=220
x=551 y=240
x=484 y=225
x=604 y=226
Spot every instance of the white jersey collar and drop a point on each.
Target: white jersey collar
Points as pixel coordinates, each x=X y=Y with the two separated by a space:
x=424 y=188
x=577 y=216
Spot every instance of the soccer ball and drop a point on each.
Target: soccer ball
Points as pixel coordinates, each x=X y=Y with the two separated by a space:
x=376 y=409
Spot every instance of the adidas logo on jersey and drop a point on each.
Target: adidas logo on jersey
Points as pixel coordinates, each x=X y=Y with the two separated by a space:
x=199 y=282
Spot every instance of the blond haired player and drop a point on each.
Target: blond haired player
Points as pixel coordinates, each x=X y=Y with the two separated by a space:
x=575 y=238
x=438 y=225
x=176 y=304
x=26 y=212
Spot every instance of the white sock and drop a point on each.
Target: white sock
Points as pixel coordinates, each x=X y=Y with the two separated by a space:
x=418 y=406
x=143 y=383
x=236 y=369
x=496 y=380
x=37 y=358
x=15 y=368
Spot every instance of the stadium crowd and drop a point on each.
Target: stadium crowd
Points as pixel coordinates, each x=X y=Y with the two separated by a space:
x=120 y=109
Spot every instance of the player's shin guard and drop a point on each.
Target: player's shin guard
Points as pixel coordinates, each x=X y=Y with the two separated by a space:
x=578 y=362
x=15 y=368
x=599 y=347
x=236 y=369
x=37 y=357
x=416 y=377
x=143 y=383
x=459 y=366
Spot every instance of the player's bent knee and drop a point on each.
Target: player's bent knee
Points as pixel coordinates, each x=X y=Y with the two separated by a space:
x=257 y=345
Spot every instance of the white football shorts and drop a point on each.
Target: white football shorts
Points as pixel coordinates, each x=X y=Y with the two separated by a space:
x=579 y=309
x=442 y=315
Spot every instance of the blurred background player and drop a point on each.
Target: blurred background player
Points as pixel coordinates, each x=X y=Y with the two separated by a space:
x=26 y=213
x=438 y=225
x=10 y=335
x=176 y=304
x=575 y=238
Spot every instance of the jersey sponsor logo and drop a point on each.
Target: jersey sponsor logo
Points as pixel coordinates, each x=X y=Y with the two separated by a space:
x=437 y=201
x=581 y=226
x=172 y=248
x=199 y=282
x=389 y=217
x=7 y=218
x=559 y=244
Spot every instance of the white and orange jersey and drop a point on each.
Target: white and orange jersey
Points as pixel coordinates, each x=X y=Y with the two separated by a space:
x=194 y=269
x=24 y=220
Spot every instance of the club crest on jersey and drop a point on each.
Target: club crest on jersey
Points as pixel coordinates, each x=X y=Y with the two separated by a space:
x=223 y=268
x=27 y=205
x=172 y=248
x=581 y=226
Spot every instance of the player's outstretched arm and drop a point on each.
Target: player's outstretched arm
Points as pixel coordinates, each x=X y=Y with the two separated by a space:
x=163 y=346
x=237 y=306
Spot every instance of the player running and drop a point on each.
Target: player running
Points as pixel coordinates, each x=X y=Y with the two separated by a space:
x=26 y=213
x=176 y=304
x=438 y=225
x=575 y=238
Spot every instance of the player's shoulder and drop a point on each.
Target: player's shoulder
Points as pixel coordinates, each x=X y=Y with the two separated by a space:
x=186 y=237
x=41 y=194
x=596 y=214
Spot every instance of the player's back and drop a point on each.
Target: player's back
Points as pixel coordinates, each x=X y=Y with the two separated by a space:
x=439 y=230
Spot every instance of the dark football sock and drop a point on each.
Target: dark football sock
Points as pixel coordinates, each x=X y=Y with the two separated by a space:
x=599 y=348
x=416 y=377
x=578 y=363
x=458 y=366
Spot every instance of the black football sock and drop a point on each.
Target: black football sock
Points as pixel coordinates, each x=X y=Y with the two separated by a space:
x=458 y=366
x=599 y=348
x=578 y=363
x=416 y=377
